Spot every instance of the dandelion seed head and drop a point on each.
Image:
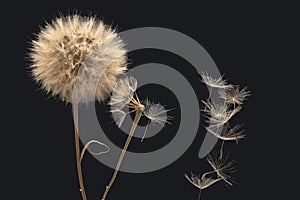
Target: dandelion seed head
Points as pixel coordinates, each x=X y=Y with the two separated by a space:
x=72 y=43
x=123 y=92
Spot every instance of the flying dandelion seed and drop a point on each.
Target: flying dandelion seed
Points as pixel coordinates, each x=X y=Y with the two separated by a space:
x=234 y=95
x=219 y=114
x=227 y=134
x=201 y=182
x=214 y=82
x=222 y=167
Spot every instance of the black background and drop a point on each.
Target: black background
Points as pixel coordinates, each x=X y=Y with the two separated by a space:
x=250 y=42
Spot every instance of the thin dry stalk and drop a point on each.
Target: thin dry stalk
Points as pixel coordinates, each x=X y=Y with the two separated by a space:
x=137 y=118
x=77 y=148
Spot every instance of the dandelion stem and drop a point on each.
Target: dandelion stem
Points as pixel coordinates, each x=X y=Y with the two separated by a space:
x=137 y=118
x=199 y=195
x=145 y=132
x=77 y=148
x=221 y=149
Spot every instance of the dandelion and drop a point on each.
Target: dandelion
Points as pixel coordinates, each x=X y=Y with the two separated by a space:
x=72 y=45
x=234 y=95
x=124 y=95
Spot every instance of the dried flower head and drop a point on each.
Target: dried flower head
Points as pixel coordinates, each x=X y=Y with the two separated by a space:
x=72 y=43
x=214 y=82
x=234 y=95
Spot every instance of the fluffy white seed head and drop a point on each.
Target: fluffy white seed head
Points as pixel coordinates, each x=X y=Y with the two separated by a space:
x=123 y=92
x=74 y=44
x=122 y=95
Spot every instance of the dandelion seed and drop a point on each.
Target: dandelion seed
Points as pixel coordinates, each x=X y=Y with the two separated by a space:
x=234 y=95
x=202 y=182
x=222 y=167
x=219 y=114
x=214 y=82
x=228 y=134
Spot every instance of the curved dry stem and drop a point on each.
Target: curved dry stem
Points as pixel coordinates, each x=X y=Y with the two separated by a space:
x=94 y=153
